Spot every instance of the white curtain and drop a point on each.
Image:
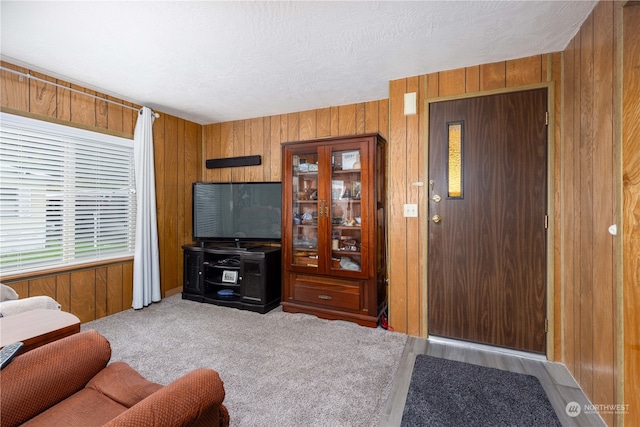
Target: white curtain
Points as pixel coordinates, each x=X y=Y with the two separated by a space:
x=146 y=263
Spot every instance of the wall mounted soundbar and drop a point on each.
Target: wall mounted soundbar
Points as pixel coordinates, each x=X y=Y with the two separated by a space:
x=232 y=162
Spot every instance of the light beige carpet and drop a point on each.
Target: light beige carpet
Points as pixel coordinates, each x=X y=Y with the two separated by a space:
x=279 y=369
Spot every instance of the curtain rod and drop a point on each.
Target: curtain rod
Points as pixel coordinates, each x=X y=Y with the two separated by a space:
x=29 y=76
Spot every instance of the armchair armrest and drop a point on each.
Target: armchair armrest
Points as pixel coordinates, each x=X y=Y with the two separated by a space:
x=8 y=308
x=193 y=399
x=37 y=380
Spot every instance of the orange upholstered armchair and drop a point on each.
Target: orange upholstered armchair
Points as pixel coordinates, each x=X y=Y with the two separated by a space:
x=68 y=383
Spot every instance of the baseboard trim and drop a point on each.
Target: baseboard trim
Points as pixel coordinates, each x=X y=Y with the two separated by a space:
x=172 y=292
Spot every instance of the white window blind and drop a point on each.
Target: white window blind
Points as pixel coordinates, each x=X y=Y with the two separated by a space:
x=67 y=195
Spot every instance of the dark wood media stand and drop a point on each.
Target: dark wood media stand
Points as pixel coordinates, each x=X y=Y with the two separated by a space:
x=248 y=279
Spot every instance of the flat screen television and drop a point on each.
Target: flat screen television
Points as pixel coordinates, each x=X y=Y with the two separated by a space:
x=237 y=212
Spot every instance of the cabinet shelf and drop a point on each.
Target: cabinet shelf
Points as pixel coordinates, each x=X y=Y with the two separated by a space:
x=222 y=284
x=214 y=295
x=346 y=171
x=224 y=266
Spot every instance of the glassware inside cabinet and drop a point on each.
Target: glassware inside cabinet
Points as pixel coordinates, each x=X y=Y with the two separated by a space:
x=346 y=215
x=305 y=209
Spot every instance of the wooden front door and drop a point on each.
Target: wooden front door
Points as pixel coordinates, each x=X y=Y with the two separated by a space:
x=487 y=243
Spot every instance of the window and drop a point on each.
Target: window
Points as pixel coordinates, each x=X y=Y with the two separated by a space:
x=454 y=164
x=67 y=195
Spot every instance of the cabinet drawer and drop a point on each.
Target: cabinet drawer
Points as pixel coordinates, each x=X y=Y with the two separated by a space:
x=327 y=291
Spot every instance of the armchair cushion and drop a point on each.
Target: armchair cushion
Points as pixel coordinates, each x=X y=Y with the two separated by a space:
x=123 y=384
x=86 y=408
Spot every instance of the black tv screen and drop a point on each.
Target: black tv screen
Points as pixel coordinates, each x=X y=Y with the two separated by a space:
x=248 y=211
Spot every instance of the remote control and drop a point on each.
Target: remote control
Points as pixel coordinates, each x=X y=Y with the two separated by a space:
x=8 y=352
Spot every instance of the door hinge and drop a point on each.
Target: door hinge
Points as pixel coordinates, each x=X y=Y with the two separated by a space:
x=546 y=118
x=546 y=325
x=546 y=221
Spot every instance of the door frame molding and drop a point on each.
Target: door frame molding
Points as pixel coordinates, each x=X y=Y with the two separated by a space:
x=551 y=177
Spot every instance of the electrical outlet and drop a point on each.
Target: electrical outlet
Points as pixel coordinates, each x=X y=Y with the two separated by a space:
x=410 y=210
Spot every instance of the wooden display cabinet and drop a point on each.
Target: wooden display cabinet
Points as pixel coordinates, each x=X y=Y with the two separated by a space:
x=333 y=230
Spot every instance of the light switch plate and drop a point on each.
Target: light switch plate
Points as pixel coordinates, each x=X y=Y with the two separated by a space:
x=410 y=210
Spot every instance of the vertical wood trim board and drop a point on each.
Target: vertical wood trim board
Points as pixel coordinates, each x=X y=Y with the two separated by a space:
x=398 y=262
x=630 y=209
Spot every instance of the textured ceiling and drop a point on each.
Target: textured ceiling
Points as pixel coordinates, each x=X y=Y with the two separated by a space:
x=218 y=61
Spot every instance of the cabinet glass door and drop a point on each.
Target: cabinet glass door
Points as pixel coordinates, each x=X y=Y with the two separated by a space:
x=305 y=209
x=346 y=212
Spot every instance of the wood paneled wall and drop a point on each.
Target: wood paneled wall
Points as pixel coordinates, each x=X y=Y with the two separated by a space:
x=91 y=293
x=631 y=211
x=408 y=151
x=178 y=161
x=45 y=100
x=584 y=171
x=589 y=186
x=263 y=136
x=406 y=247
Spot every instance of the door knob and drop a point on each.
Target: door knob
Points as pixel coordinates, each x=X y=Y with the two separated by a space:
x=436 y=219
